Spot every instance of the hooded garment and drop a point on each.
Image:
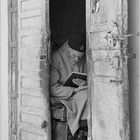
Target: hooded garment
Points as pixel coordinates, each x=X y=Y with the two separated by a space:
x=61 y=68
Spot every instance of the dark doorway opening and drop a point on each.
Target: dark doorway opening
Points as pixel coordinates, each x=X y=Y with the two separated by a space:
x=66 y=17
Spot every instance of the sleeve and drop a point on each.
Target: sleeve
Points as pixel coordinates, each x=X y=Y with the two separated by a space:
x=57 y=89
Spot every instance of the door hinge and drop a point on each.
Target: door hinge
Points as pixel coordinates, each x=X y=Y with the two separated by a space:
x=126 y=55
x=95 y=6
x=123 y=36
x=44 y=124
x=116 y=81
x=115 y=35
x=43 y=56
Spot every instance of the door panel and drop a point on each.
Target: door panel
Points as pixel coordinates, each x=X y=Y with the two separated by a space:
x=33 y=67
x=107 y=66
x=107 y=109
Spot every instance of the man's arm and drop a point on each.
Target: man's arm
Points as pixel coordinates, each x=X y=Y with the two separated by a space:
x=57 y=89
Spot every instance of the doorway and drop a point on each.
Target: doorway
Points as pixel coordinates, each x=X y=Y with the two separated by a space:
x=66 y=19
x=31 y=88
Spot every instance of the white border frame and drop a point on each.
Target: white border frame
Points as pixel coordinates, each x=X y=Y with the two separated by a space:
x=4 y=70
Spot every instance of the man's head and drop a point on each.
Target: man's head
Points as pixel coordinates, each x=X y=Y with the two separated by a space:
x=77 y=47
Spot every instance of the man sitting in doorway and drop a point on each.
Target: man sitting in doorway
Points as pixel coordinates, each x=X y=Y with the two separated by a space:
x=70 y=58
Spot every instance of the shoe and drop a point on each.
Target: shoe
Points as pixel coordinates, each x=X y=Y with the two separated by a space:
x=82 y=133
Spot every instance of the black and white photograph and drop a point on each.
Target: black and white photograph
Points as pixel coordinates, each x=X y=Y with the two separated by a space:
x=69 y=69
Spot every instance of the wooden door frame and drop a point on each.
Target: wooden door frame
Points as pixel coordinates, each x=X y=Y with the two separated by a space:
x=4 y=71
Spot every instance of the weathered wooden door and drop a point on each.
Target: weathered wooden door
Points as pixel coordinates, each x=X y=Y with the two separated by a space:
x=33 y=70
x=107 y=65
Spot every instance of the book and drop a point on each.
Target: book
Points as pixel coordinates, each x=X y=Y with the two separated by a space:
x=74 y=75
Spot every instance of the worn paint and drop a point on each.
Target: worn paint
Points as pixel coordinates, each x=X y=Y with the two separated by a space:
x=12 y=69
x=107 y=70
x=33 y=93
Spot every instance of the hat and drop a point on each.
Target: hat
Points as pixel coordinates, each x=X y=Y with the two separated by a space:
x=78 y=42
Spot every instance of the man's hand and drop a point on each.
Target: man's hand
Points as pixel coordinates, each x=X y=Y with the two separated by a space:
x=79 y=89
x=79 y=82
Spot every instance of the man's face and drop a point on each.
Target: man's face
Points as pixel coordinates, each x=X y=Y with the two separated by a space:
x=75 y=56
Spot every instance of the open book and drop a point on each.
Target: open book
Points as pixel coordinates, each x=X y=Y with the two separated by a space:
x=74 y=75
